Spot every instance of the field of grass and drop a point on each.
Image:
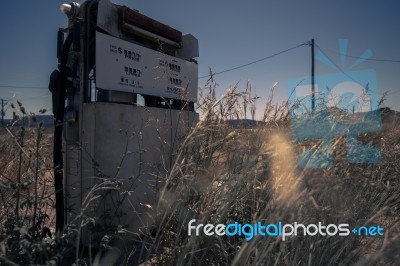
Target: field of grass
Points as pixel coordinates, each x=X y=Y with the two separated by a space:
x=222 y=174
x=252 y=175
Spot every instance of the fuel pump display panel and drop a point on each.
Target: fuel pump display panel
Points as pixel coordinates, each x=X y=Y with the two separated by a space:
x=128 y=67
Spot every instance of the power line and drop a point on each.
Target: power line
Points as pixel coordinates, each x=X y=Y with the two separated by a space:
x=256 y=61
x=366 y=59
x=340 y=69
x=22 y=87
x=373 y=59
x=205 y=76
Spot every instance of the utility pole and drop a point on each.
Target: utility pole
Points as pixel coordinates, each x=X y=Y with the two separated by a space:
x=3 y=104
x=312 y=77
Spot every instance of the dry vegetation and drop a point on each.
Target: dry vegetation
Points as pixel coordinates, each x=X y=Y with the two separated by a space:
x=223 y=174
x=26 y=194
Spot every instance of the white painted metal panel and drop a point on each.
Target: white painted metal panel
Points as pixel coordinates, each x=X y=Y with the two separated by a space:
x=125 y=66
x=133 y=144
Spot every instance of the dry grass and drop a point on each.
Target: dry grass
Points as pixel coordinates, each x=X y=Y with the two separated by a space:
x=223 y=174
x=11 y=149
x=26 y=194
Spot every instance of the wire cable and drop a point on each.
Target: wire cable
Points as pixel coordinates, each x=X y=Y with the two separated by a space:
x=21 y=87
x=202 y=77
x=340 y=69
x=366 y=59
x=254 y=62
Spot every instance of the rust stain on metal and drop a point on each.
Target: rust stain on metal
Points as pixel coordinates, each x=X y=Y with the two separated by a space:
x=133 y=17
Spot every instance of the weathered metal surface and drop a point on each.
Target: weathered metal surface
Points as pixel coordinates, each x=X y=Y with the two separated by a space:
x=135 y=18
x=134 y=145
x=107 y=17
